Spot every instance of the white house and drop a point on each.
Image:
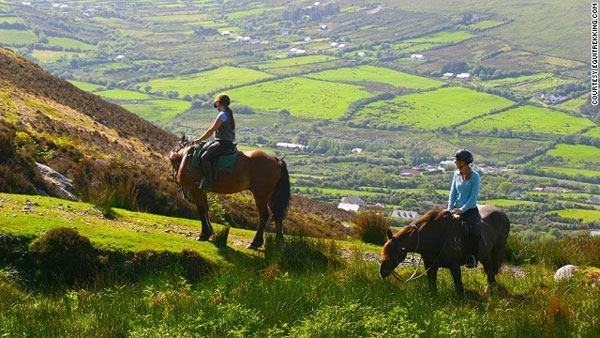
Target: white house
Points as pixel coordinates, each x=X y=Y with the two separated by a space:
x=448 y=74
x=225 y=33
x=349 y=207
x=352 y=199
x=405 y=214
x=290 y=145
x=417 y=57
x=361 y=54
x=342 y=45
x=357 y=150
x=463 y=76
x=307 y=39
x=323 y=27
x=333 y=44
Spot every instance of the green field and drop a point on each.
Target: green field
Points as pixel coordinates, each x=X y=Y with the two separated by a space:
x=573 y=156
x=177 y=18
x=120 y=94
x=506 y=203
x=444 y=37
x=587 y=173
x=430 y=110
x=158 y=110
x=11 y=20
x=16 y=37
x=512 y=81
x=69 y=44
x=485 y=24
x=594 y=132
x=241 y=14
x=295 y=61
x=301 y=97
x=376 y=74
x=531 y=119
x=586 y=215
x=90 y=87
x=206 y=82
x=576 y=103
x=50 y=55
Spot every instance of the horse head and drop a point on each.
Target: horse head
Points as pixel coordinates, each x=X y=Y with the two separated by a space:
x=177 y=153
x=406 y=240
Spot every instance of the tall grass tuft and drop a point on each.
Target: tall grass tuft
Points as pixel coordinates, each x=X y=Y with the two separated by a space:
x=372 y=227
x=579 y=250
x=220 y=237
x=119 y=194
x=299 y=253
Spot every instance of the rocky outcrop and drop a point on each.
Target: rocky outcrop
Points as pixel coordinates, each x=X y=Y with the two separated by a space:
x=58 y=184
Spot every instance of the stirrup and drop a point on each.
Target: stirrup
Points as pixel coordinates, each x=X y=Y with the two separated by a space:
x=202 y=185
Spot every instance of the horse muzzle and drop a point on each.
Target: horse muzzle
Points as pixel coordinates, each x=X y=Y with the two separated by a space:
x=384 y=272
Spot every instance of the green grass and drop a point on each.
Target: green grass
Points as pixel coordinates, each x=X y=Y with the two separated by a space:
x=530 y=118
x=256 y=11
x=17 y=37
x=158 y=110
x=430 y=110
x=67 y=43
x=572 y=156
x=571 y=172
x=90 y=87
x=506 y=203
x=205 y=82
x=301 y=97
x=444 y=37
x=11 y=20
x=177 y=18
x=586 y=215
x=512 y=81
x=295 y=61
x=594 y=132
x=376 y=74
x=120 y=94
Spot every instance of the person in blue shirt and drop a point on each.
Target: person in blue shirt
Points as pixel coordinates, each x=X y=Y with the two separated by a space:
x=224 y=130
x=463 y=198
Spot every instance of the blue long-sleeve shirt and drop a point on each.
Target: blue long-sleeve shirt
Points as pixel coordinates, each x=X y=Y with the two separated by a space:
x=463 y=195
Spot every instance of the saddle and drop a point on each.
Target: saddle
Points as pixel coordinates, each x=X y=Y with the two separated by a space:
x=223 y=162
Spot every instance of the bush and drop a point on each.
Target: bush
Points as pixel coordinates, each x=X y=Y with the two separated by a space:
x=220 y=237
x=122 y=194
x=301 y=253
x=62 y=255
x=372 y=227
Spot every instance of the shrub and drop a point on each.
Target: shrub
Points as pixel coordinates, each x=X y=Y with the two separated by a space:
x=220 y=237
x=372 y=227
x=122 y=194
x=196 y=267
x=554 y=253
x=302 y=253
x=150 y=261
x=63 y=255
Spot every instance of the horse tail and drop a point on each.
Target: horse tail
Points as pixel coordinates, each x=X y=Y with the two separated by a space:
x=282 y=194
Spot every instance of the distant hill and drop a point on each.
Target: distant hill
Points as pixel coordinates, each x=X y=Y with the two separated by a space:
x=47 y=120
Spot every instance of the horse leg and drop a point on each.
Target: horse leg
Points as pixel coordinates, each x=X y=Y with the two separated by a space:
x=431 y=276
x=490 y=270
x=458 y=284
x=279 y=226
x=263 y=213
x=202 y=206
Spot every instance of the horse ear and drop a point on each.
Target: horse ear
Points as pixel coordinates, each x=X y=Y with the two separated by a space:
x=389 y=234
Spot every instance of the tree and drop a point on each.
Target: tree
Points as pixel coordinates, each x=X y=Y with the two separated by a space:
x=428 y=189
x=506 y=187
x=408 y=203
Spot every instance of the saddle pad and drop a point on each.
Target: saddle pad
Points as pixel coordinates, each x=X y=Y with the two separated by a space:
x=225 y=163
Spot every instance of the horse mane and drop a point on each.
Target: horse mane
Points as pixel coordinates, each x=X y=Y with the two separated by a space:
x=423 y=221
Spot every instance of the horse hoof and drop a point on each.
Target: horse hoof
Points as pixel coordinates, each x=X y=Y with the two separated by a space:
x=203 y=238
x=253 y=246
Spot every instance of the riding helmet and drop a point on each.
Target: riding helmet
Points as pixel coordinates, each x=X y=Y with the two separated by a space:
x=222 y=99
x=464 y=155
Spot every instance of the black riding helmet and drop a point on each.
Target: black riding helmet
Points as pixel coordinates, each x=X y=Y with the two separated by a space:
x=222 y=99
x=464 y=155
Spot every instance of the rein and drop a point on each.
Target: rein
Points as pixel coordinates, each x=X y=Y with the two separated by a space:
x=412 y=277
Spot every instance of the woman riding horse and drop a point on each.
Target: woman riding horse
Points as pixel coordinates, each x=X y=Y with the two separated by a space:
x=224 y=130
x=463 y=198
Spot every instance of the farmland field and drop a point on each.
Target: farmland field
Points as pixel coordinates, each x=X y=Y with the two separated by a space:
x=90 y=87
x=430 y=110
x=120 y=94
x=444 y=37
x=301 y=97
x=531 y=119
x=205 y=82
x=158 y=110
x=504 y=149
x=295 y=61
x=45 y=55
x=11 y=20
x=241 y=14
x=69 y=44
x=485 y=24
x=573 y=172
x=506 y=203
x=586 y=215
x=376 y=74
x=17 y=37
x=510 y=81
x=594 y=132
x=572 y=156
x=575 y=104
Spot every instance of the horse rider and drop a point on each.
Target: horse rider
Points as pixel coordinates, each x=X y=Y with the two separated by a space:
x=224 y=131
x=463 y=199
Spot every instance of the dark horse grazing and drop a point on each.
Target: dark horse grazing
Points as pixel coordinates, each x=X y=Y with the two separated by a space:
x=264 y=175
x=441 y=240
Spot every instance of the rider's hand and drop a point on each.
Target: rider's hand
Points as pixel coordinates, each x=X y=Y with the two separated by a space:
x=456 y=211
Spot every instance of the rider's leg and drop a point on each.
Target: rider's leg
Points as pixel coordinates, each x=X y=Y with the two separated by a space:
x=213 y=150
x=472 y=218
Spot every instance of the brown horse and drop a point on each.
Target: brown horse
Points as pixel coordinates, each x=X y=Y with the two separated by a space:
x=441 y=240
x=264 y=175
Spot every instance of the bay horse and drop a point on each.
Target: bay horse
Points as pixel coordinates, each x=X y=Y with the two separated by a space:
x=266 y=176
x=441 y=240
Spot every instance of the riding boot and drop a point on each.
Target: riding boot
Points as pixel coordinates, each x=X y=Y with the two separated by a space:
x=207 y=181
x=472 y=248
